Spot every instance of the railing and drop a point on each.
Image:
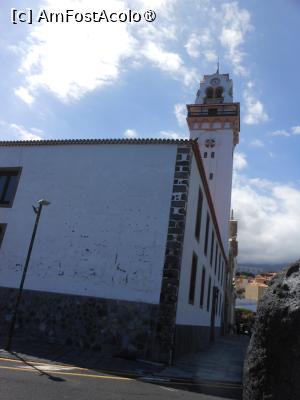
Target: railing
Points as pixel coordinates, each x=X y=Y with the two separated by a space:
x=209 y=114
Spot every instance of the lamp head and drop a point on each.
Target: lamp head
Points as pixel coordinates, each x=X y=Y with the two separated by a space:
x=44 y=202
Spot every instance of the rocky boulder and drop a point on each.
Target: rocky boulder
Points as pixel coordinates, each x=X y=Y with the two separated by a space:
x=272 y=365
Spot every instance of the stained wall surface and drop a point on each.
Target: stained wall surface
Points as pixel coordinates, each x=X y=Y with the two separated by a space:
x=105 y=232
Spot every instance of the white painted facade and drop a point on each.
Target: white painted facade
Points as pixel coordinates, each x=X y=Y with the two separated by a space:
x=220 y=182
x=194 y=314
x=215 y=129
x=105 y=232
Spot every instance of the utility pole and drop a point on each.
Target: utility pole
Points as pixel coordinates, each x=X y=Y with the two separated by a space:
x=38 y=211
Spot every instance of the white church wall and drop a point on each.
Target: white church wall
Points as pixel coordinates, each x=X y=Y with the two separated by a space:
x=221 y=169
x=193 y=314
x=105 y=232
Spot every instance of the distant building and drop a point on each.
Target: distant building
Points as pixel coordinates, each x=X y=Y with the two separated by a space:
x=254 y=291
x=241 y=282
x=253 y=288
x=134 y=252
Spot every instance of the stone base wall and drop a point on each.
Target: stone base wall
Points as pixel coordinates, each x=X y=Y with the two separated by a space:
x=190 y=339
x=111 y=326
x=164 y=345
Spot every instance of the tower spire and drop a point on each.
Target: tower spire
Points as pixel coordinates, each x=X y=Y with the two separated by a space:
x=218 y=66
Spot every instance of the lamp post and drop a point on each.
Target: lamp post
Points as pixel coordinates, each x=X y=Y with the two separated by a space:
x=38 y=211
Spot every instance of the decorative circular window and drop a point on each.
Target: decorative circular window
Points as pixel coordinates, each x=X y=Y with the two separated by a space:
x=210 y=143
x=215 y=81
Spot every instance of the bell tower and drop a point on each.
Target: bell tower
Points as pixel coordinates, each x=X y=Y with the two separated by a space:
x=214 y=120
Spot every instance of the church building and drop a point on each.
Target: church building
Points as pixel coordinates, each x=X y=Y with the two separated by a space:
x=136 y=250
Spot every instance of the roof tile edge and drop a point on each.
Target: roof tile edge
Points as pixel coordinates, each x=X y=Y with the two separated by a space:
x=55 y=142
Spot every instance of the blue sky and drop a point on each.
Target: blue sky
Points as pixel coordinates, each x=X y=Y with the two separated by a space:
x=78 y=80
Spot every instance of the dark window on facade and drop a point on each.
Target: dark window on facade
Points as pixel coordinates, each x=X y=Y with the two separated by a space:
x=212 y=111
x=212 y=247
x=2 y=232
x=222 y=275
x=206 y=234
x=202 y=287
x=208 y=294
x=219 y=272
x=216 y=258
x=211 y=175
x=219 y=92
x=220 y=304
x=205 y=154
x=209 y=92
x=219 y=263
x=193 y=279
x=9 y=178
x=199 y=214
x=217 y=303
x=212 y=154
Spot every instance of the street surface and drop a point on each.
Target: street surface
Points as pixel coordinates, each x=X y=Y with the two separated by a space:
x=21 y=379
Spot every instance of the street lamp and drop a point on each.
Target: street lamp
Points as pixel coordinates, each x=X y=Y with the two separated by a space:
x=37 y=211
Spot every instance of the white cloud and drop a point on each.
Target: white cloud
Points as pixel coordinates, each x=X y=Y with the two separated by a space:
x=130 y=134
x=180 y=113
x=228 y=26
x=192 y=46
x=210 y=56
x=257 y=143
x=11 y=131
x=71 y=59
x=25 y=134
x=269 y=217
x=280 y=132
x=201 y=45
x=296 y=130
x=255 y=112
x=172 y=135
x=24 y=95
x=235 y=23
x=239 y=161
x=170 y=62
x=166 y=61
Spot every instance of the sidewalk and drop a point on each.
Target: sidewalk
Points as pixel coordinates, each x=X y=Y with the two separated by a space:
x=216 y=370
x=222 y=361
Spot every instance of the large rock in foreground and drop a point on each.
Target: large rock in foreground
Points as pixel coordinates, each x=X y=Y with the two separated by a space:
x=272 y=365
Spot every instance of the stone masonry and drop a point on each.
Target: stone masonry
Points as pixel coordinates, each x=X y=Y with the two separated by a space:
x=110 y=326
x=272 y=365
x=165 y=331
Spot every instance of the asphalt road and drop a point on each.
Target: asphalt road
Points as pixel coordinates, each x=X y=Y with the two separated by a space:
x=23 y=380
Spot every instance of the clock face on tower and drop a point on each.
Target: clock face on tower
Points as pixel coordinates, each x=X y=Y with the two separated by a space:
x=215 y=81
